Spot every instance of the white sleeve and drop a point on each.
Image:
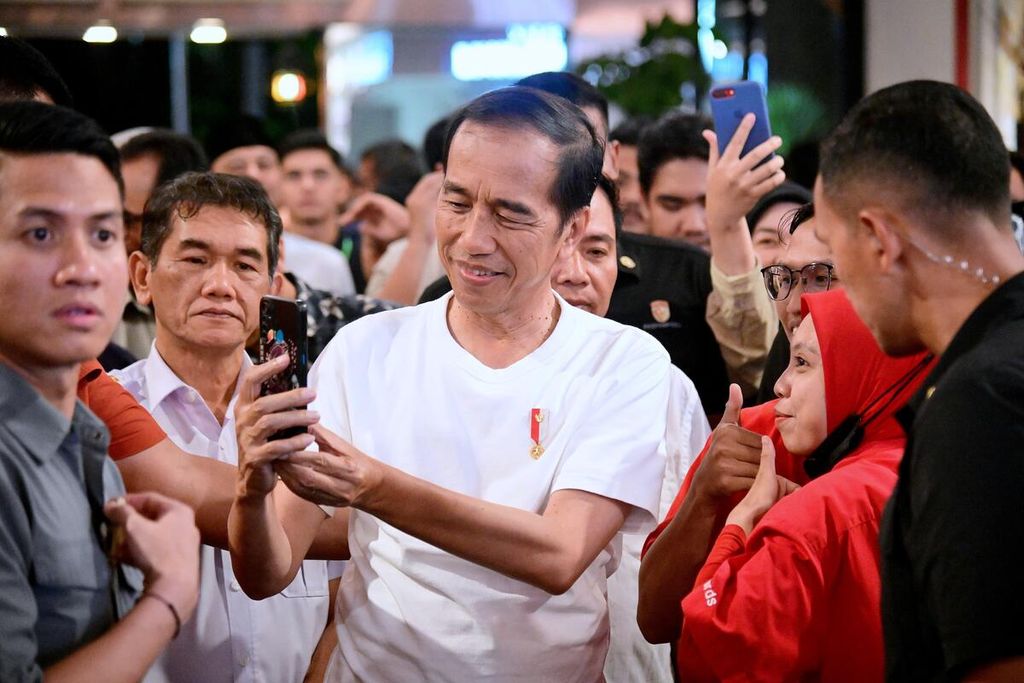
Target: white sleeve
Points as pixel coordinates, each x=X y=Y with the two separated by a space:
x=686 y=432
x=618 y=451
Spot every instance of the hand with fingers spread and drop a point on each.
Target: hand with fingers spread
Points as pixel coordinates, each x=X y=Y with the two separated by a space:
x=257 y=418
x=422 y=205
x=734 y=185
x=731 y=462
x=768 y=489
x=158 y=535
x=340 y=475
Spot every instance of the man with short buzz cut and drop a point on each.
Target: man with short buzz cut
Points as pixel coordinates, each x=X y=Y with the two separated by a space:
x=242 y=146
x=209 y=252
x=672 y=156
x=73 y=609
x=921 y=234
x=312 y=183
x=487 y=447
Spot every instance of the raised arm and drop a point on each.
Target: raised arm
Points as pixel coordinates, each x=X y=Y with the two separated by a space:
x=669 y=567
x=270 y=529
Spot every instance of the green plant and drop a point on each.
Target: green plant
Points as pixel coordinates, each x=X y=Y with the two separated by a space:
x=655 y=75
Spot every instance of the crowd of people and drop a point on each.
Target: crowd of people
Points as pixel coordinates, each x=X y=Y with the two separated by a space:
x=586 y=404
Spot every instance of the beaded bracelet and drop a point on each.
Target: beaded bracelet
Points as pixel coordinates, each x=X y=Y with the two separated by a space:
x=170 y=606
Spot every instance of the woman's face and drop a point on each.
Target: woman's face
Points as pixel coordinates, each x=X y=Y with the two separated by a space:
x=800 y=413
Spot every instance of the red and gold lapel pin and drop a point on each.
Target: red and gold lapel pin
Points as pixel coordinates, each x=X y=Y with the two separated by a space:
x=536 y=418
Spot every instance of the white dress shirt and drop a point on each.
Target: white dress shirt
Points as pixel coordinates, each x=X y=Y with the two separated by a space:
x=230 y=637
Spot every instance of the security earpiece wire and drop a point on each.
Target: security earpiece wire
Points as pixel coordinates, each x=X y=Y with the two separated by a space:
x=849 y=433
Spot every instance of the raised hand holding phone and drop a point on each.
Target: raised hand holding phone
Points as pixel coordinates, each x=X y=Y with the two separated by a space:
x=283 y=333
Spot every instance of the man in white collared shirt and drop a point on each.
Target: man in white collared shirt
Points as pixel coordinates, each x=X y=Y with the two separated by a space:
x=209 y=246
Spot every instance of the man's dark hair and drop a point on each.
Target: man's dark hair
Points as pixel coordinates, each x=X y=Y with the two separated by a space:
x=240 y=131
x=175 y=153
x=628 y=132
x=433 y=143
x=518 y=107
x=606 y=185
x=397 y=167
x=187 y=195
x=309 y=138
x=571 y=87
x=674 y=136
x=29 y=127
x=931 y=142
x=25 y=74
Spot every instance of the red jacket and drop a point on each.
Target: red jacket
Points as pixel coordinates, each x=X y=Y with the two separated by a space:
x=799 y=599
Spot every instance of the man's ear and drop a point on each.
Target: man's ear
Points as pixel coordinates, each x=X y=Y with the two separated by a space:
x=139 y=269
x=613 y=160
x=573 y=232
x=276 y=282
x=881 y=230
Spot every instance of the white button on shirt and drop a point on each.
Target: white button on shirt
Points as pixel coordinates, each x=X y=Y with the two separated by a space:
x=230 y=638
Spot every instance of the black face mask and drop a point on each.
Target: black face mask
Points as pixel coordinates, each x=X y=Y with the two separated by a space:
x=845 y=438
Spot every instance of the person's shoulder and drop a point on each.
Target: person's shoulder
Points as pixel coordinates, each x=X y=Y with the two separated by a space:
x=132 y=378
x=385 y=323
x=603 y=334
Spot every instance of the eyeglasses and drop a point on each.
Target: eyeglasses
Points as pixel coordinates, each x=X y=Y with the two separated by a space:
x=779 y=280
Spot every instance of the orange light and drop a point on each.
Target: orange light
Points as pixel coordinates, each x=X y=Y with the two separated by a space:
x=288 y=87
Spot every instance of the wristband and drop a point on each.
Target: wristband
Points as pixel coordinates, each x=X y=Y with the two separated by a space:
x=170 y=606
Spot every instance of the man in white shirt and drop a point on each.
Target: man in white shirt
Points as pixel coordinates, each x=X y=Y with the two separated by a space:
x=209 y=248
x=512 y=435
x=586 y=280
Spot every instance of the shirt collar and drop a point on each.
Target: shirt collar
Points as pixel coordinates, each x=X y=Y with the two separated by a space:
x=161 y=380
x=1002 y=306
x=36 y=424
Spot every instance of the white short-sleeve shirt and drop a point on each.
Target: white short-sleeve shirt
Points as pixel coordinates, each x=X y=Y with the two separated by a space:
x=400 y=388
x=230 y=637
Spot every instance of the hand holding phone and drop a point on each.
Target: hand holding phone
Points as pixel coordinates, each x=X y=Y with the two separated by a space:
x=283 y=332
x=730 y=103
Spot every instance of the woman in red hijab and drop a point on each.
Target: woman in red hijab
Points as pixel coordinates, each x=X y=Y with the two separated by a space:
x=790 y=590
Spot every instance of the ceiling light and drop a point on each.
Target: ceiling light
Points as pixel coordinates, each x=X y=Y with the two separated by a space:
x=100 y=32
x=209 y=32
x=3 y=31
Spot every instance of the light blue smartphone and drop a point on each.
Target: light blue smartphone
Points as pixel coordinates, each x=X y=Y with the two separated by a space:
x=730 y=103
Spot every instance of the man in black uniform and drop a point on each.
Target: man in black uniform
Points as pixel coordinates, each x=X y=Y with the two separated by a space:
x=913 y=200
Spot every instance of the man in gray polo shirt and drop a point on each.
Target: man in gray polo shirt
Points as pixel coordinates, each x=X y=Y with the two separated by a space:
x=69 y=612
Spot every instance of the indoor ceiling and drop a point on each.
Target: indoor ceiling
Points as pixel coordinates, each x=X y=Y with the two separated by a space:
x=249 y=18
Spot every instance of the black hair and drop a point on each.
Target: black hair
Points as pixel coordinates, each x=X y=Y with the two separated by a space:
x=176 y=153
x=433 y=143
x=187 y=195
x=309 y=138
x=931 y=142
x=607 y=185
x=30 y=127
x=397 y=167
x=628 y=132
x=25 y=74
x=581 y=154
x=240 y=131
x=571 y=87
x=674 y=136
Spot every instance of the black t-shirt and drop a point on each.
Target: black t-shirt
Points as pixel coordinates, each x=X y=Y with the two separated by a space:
x=665 y=293
x=953 y=532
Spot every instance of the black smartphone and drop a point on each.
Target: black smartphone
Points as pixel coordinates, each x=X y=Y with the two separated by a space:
x=283 y=331
x=730 y=103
